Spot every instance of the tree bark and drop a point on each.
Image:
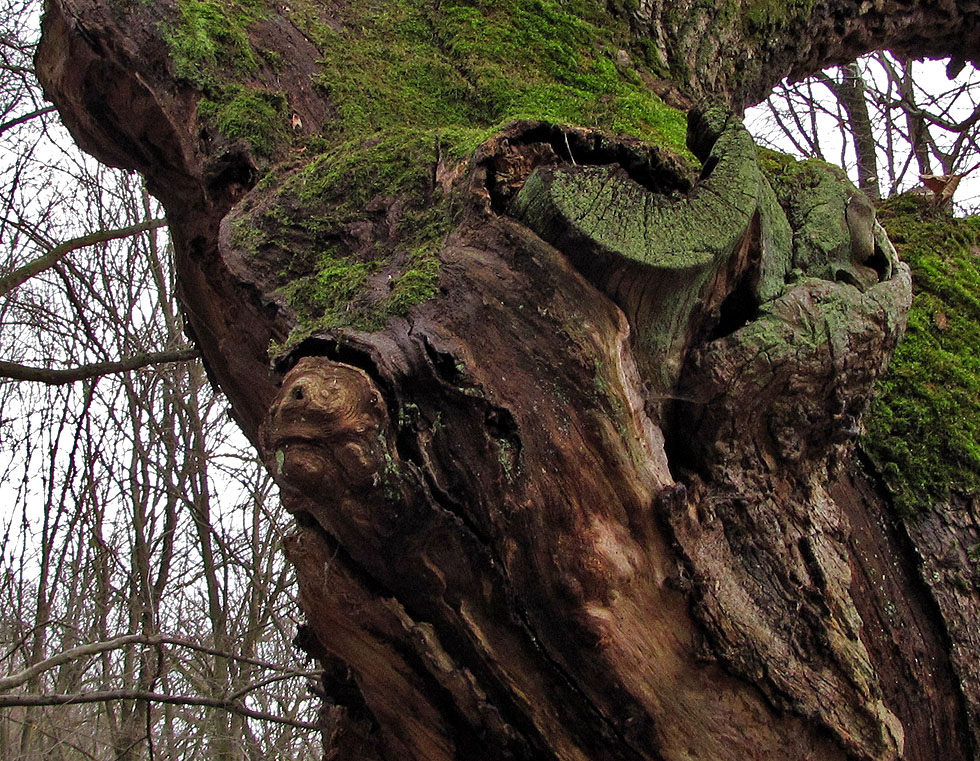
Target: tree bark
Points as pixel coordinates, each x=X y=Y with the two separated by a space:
x=851 y=93
x=566 y=425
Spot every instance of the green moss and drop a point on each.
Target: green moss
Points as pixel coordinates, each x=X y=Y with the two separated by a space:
x=334 y=296
x=480 y=64
x=417 y=284
x=324 y=299
x=320 y=206
x=350 y=174
x=459 y=64
x=212 y=50
x=330 y=289
x=331 y=192
x=411 y=86
x=772 y=17
x=256 y=115
x=923 y=428
x=244 y=236
x=209 y=42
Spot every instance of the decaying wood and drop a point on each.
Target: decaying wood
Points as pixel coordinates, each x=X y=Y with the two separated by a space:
x=578 y=504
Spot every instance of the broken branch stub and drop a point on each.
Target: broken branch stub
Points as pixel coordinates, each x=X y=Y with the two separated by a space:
x=660 y=257
x=671 y=261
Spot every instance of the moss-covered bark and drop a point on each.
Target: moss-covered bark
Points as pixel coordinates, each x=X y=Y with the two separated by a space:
x=922 y=427
x=562 y=406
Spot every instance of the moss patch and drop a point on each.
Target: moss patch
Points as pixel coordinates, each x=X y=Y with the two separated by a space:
x=410 y=85
x=416 y=284
x=772 y=17
x=211 y=49
x=324 y=294
x=458 y=64
x=923 y=428
x=257 y=116
x=377 y=219
x=332 y=297
x=481 y=64
x=209 y=41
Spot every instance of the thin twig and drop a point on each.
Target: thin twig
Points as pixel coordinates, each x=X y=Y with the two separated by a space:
x=105 y=696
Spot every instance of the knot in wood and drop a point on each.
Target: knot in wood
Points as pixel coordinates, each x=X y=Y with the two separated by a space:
x=325 y=431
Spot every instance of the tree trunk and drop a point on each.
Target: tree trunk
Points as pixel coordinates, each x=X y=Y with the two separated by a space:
x=565 y=418
x=852 y=94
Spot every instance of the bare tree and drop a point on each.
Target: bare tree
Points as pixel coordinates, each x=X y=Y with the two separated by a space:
x=146 y=611
x=564 y=415
x=896 y=122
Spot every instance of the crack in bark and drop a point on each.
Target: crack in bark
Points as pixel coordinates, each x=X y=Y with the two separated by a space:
x=897 y=533
x=512 y=714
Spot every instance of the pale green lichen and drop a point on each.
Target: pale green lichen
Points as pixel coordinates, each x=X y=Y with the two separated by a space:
x=667 y=232
x=621 y=233
x=813 y=196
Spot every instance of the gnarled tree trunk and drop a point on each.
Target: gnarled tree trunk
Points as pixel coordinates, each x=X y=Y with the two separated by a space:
x=565 y=417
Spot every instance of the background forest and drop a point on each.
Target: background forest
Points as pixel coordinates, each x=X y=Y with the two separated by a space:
x=145 y=608
x=141 y=578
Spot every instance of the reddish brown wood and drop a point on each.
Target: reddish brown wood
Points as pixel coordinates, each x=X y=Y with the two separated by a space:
x=510 y=544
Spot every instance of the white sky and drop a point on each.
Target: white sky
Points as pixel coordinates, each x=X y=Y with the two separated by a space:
x=930 y=81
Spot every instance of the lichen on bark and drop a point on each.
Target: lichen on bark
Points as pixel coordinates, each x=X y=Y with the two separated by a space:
x=652 y=248
x=529 y=539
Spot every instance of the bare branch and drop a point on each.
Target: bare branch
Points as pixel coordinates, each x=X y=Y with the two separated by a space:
x=25 y=118
x=15 y=371
x=314 y=674
x=94 y=648
x=105 y=696
x=57 y=253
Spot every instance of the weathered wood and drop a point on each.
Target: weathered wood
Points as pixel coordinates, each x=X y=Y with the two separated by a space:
x=557 y=417
x=667 y=259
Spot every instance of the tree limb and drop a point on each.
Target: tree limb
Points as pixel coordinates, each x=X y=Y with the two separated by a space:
x=13 y=279
x=15 y=371
x=232 y=706
x=25 y=118
x=94 y=648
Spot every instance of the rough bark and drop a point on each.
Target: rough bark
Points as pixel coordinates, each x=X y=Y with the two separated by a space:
x=571 y=473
